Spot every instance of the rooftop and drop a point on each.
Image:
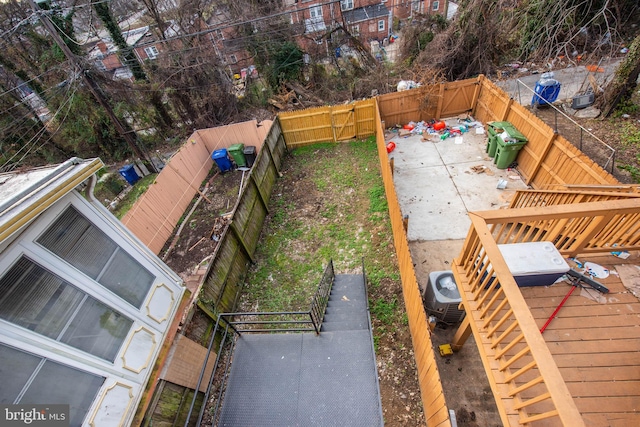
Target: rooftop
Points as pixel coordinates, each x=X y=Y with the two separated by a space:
x=25 y=194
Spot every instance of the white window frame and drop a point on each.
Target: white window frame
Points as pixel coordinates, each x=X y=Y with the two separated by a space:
x=315 y=22
x=28 y=246
x=122 y=372
x=152 y=52
x=435 y=5
x=382 y=25
x=315 y=11
x=346 y=4
x=355 y=30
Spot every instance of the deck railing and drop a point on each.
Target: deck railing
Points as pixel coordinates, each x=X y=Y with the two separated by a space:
x=590 y=227
x=523 y=375
x=540 y=198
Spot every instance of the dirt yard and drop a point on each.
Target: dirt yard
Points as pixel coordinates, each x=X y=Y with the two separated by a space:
x=200 y=231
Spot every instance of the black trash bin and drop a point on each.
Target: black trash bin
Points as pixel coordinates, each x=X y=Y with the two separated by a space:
x=249 y=154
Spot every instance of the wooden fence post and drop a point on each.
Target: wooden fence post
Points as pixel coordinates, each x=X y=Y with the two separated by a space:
x=440 y=101
x=507 y=108
x=476 y=94
x=542 y=158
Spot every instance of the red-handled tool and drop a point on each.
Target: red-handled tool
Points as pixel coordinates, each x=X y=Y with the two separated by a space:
x=566 y=297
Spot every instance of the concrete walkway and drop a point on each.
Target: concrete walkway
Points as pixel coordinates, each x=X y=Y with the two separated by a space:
x=573 y=81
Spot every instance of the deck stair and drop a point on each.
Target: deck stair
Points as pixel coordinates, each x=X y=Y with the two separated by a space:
x=305 y=378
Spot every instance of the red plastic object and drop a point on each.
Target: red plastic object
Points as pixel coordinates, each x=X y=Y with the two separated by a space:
x=439 y=125
x=408 y=127
x=391 y=146
x=566 y=297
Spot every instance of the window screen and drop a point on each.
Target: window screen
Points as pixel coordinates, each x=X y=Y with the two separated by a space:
x=76 y=240
x=30 y=379
x=42 y=302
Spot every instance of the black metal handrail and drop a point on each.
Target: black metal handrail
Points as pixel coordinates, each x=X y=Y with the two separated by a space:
x=282 y=321
x=321 y=297
x=230 y=326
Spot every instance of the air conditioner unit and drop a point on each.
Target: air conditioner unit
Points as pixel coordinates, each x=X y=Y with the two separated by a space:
x=441 y=297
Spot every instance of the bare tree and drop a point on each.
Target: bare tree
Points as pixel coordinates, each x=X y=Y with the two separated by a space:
x=624 y=81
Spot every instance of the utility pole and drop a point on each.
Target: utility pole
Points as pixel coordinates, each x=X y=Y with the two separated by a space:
x=129 y=135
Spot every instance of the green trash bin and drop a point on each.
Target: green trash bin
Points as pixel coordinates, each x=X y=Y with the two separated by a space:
x=494 y=129
x=506 y=152
x=492 y=144
x=501 y=127
x=237 y=152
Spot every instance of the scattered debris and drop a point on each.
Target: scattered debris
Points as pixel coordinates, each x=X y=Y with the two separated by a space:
x=593 y=296
x=621 y=254
x=202 y=239
x=630 y=277
x=219 y=224
x=445 y=350
x=596 y=270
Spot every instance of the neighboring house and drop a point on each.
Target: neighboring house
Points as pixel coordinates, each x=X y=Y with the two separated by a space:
x=228 y=43
x=314 y=23
x=85 y=307
x=367 y=20
x=105 y=53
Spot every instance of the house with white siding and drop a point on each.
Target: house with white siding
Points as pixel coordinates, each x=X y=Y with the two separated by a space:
x=85 y=307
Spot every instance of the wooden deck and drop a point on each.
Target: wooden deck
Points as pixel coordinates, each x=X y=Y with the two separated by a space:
x=595 y=345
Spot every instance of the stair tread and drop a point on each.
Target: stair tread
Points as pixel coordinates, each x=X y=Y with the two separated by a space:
x=344 y=326
x=337 y=317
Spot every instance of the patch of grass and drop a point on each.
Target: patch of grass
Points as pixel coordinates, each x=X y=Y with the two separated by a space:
x=385 y=311
x=297 y=243
x=634 y=170
x=138 y=189
x=630 y=134
x=377 y=199
x=626 y=107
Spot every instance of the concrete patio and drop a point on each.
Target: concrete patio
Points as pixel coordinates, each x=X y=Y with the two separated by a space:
x=437 y=187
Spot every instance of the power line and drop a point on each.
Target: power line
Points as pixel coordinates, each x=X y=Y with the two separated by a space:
x=128 y=135
x=236 y=24
x=40 y=132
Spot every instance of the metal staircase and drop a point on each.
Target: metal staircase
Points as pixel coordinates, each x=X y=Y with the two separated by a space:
x=295 y=376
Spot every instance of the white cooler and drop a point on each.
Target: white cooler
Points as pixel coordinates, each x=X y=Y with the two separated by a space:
x=534 y=263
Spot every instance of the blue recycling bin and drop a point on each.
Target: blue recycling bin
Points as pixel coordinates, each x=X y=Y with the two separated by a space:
x=222 y=160
x=546 y=91
x=129 y=174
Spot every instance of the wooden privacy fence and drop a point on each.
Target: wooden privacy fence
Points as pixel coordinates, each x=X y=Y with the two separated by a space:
x=155 y=214
x=428 y=102
x=355 y=120
x=223 y=280
x=548 y=159
x=435 y=407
